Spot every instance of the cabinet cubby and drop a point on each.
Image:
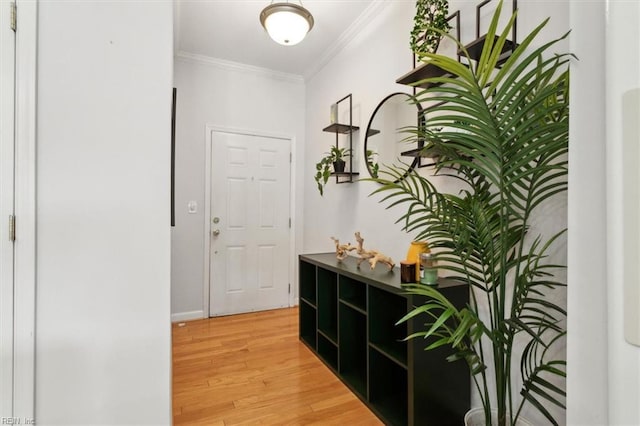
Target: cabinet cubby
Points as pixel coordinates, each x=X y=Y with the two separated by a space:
x=308 y=324
x=353 y=348
x=328 y=304
x=353 y=293
x=307 y=274
x=388 y=388
x=385 y=310
x=328 y=351
x=351 y=326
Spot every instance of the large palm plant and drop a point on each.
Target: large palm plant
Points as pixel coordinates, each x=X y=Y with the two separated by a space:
x=503 y=131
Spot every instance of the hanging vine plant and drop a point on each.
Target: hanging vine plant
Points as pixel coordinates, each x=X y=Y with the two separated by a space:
x=429 y=24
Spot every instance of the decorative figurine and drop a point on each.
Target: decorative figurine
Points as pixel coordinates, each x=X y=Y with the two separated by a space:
x=342 y=250
x=372 y=256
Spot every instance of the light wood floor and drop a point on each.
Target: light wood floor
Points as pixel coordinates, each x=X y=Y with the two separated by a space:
x=252 y=369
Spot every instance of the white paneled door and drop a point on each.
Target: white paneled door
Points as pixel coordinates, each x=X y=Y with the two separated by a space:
x=250 y=223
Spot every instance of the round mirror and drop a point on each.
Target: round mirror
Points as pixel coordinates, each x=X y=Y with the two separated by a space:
x=386 y=141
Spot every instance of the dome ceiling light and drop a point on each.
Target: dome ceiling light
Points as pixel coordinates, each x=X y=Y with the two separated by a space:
x=286 y=23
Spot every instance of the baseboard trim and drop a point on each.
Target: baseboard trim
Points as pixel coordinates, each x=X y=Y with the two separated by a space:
x=187 y=316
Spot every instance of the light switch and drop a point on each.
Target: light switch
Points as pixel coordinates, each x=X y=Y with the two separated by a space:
x=193 y=207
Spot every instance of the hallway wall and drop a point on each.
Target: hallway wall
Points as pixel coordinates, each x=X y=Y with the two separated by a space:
x=103 y=342
x=226 y=95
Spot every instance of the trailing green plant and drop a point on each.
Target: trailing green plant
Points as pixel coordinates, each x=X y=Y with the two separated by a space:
x=372 y=164
x=504 y=133
x=323 y=167
x=429 y=25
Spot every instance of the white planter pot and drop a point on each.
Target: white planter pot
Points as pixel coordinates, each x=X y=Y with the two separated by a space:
x=475 y=417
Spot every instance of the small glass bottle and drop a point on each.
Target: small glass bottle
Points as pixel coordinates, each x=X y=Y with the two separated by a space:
x=428 y=269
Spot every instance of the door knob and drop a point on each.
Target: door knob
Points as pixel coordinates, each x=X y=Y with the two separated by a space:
x=215 y=232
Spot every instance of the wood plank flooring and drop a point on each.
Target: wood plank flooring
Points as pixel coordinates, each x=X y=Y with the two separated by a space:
x=252 y=369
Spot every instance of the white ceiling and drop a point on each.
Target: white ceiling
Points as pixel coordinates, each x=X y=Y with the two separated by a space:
x=231 y=30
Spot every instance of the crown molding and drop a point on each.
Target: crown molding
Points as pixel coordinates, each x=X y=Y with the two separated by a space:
x=366 y=17
x=237 y=66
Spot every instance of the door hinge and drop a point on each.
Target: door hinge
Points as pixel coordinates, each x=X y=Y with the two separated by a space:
x=289 y=223
x=289 y=288
x=12 y=228
x=291 y=157
x=14 y=16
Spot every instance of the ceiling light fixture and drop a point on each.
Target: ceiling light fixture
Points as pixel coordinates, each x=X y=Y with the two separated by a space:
x=286 y=23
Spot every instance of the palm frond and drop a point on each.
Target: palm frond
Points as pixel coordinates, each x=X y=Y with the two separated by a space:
x=504 y=133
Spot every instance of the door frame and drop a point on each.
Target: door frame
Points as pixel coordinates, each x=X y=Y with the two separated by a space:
x=7 y=190
x=207 y=206
x=24 y=293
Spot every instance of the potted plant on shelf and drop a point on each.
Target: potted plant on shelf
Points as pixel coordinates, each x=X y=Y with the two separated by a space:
x=504 y=133
x=429 y=24
x=334 y=158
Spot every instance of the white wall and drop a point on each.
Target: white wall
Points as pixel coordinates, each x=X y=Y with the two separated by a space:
x=227 y=95
x=103 y=342
x=368 y=67
x=604 y=370
x=622 y=74
x=587 y=293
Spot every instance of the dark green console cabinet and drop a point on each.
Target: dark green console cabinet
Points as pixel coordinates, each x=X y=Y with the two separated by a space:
x=348 y=317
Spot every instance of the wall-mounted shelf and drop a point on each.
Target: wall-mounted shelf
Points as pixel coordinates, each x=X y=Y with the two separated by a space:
x=398 y=380
x=431 y=152
x=428 y=70
x=475 y=49
x=344 y=129
x=421 y=152
x=422 y=72
x=345 y=174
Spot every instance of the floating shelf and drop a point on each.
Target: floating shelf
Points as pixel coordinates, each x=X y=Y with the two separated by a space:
x=344 y=174
x=422 y=72
x=475 y=49
x=422 y=152
x=428 y=70
x=343 y=129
